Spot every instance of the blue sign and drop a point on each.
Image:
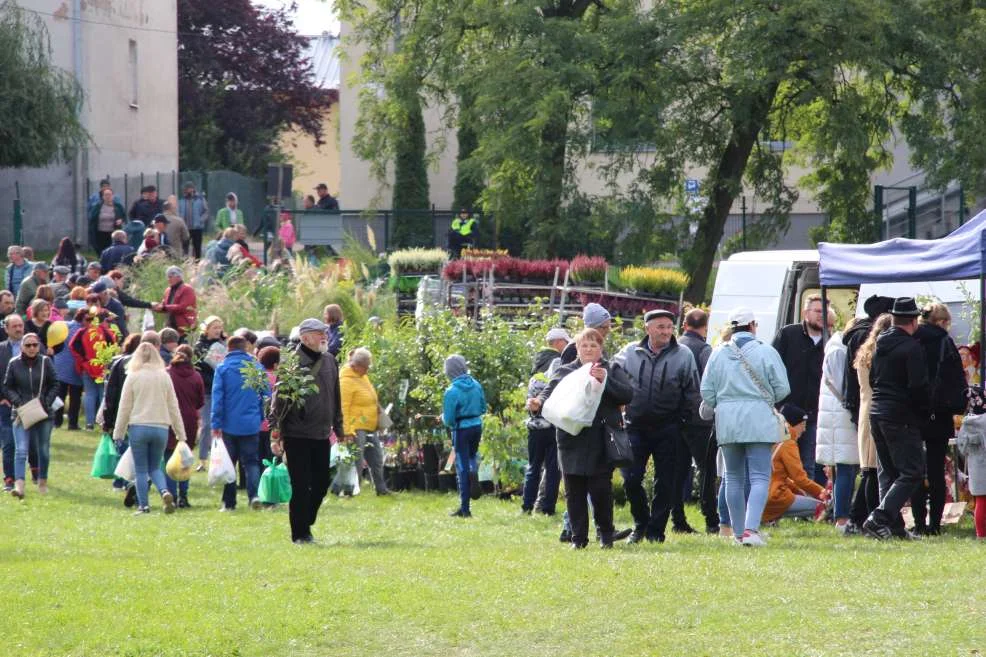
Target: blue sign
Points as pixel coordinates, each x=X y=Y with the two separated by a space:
x=691 y=186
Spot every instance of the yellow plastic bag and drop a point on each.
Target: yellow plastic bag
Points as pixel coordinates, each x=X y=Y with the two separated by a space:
x=175 y=469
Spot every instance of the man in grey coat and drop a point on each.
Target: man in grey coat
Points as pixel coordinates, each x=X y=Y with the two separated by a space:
x=665 y=395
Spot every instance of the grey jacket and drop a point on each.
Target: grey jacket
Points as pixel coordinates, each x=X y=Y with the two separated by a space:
x=701 y=350
x=665 y=385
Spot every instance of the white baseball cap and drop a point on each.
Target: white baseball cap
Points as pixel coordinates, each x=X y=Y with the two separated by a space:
x=741 y=316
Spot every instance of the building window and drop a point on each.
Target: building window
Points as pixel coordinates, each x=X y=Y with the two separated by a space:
x=134 y=81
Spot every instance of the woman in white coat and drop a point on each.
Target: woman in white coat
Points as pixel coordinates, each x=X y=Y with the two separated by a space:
x=836 y=443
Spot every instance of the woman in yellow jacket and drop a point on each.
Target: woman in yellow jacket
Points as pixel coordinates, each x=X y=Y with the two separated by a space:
x=359 y=413
x=792 y=493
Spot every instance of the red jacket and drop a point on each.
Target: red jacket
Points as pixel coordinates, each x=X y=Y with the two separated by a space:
x=191 y=397
x=179 y=303
x=84 y=345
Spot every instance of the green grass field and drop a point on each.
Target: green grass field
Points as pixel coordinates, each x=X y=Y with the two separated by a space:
x=80 y=575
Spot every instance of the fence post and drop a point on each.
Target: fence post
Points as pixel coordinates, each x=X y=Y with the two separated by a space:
x=18 y=220
x=912 y=212
x=878 y=209
x=434 y=232
x=743 y=207
x=386 y=230
x=126 y=192
x=961 y=205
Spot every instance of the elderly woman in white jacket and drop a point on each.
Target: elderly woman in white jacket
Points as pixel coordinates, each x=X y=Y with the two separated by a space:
x=836 y=443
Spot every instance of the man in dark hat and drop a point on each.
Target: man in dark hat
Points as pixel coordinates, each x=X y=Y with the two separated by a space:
x=146 y=206
x=899 y=377
x=665 y=396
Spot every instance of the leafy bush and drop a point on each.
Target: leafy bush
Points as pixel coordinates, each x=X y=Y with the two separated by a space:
x=653 y=280
x=417 y=260
x=588 y=269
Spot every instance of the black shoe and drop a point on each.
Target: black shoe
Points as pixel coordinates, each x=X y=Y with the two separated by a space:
x=382 y=493
x=74 y=427
x=89 y=427
x=526 y=512
x=655 y=539
x=712 y=529
x=183 y=502
x=876 y=530
x=131 y=497
x=475 y=490
x=620 y=534
x=905 y=535
x=545 y=513
x=565 y=536
x=459 y=513
x=683 y=528
x=636 y=536
x=606 y=545
x=304 y=540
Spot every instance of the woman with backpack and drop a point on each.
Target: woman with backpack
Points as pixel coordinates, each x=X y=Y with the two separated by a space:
x=948 y=398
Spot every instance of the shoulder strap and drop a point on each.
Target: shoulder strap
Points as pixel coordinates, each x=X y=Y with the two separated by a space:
x=768 y=396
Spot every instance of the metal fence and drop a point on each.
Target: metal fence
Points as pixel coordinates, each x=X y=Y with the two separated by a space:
x=375 y=229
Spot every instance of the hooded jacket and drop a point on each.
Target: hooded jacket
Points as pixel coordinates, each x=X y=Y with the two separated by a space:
x=236 y=408
x=464 y=403
x=190 y=392
x=665 y=385
x=836 y=439
x=899 y=378
x=321 y=413
x=359 y=402
x=802 y=358
x=743 y=413
x=854 y=339
x=946 y=379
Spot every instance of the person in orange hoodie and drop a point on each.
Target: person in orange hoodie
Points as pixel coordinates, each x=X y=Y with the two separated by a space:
x=792 y=493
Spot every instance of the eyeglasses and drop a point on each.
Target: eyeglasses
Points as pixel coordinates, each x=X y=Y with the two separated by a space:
x=32 y=345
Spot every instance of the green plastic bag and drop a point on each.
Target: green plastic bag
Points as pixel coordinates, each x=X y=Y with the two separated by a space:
x=275 y=484
x=105 y=459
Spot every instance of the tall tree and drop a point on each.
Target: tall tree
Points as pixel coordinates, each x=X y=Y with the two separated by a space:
x=39 y=102
x=243 y=79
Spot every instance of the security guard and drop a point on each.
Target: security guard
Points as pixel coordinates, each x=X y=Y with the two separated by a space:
x=460 y=233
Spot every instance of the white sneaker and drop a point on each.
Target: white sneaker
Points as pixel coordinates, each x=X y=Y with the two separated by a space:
x=255 y=504
x=753 y=539
x=226 y=509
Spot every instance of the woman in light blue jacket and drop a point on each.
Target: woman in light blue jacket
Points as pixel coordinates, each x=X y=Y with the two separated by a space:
x=743 y=380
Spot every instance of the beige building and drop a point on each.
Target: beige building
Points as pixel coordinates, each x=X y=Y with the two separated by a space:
x=125 y=55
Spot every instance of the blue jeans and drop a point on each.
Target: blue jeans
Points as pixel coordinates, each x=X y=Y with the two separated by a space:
x=723 y=507
x=7 y=441
x=176 y=488
x=742 y=459
x=542 y=452
x=247 y=450
x=40 y=434
x=806 y=450
x=802 y=507
x=147 y=442
x=661 y=443
x=93 y=397
x=842 y=488
x=465 y=442
x=205 y=428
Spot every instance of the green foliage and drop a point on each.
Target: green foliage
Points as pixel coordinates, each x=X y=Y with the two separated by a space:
x=417 y=260
x=294 y=384
x=40 y=103
x=653 y=280
x=412 y=226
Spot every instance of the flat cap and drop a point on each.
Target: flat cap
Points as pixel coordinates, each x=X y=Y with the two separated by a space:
x=312 y=325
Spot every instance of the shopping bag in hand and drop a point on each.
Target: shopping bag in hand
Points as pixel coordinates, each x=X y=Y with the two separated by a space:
x=176 y=468
x=106 y=458
x=573 y=403
x=126 y=469
x=221 y=470
x=275 y=484
x=186 y=455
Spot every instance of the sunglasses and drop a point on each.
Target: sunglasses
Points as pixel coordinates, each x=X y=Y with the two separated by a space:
x=30 y=345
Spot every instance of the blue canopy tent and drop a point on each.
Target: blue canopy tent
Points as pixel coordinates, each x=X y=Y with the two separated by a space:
x=961 y=254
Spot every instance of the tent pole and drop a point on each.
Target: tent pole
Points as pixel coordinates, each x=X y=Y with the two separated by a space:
x=982 y=301
x=825 y=316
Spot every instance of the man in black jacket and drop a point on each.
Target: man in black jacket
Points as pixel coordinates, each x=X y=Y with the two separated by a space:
x=854 y=339
x=899 y=377
x=801 y=348
x=698 y=432
x=304 y=428
x=10 y=348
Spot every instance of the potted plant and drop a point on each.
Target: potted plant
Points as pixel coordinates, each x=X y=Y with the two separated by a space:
x=652 y=281
x=589 y=271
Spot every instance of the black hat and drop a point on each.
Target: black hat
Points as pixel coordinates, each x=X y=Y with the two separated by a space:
x=905 y=307
x=793 y=415
x=877 y=305
x=660 y=312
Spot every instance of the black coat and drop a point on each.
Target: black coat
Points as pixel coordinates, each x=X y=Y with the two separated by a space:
x=585 y=454
x=22 y=382
x=803 y=361
x=854 y=339
x=946 y=379
x=322 y=412
x=899 y=377
x=701 y=350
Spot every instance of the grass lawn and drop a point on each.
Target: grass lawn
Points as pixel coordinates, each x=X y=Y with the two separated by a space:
x=80 y=575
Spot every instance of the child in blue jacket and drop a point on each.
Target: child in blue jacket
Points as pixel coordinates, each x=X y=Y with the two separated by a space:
x=462 y=411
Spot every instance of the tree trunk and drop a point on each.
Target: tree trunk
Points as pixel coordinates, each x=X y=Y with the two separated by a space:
x=726 y=184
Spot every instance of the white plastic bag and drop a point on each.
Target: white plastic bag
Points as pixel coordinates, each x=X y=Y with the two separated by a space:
x=573 y=403
x=221 y=470
x=125 y=469
x=185 y=454
x=346 y=481
x=148 y=322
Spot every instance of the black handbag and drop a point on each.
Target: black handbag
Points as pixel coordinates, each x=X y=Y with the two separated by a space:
x=619 y=454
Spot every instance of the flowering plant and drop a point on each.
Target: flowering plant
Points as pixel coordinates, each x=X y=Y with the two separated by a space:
x=588 y=269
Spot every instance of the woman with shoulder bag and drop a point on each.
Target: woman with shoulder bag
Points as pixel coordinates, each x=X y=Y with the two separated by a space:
x=31 y=388
x=585 y=466
x=743 y=380
x=948 y=397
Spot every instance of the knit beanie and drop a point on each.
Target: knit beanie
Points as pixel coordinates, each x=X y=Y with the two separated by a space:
x=455 y=366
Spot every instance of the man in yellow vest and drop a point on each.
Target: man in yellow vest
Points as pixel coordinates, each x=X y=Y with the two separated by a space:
x=460 y=233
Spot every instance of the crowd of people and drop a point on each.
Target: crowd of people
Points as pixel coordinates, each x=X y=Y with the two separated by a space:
x=857 y=424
